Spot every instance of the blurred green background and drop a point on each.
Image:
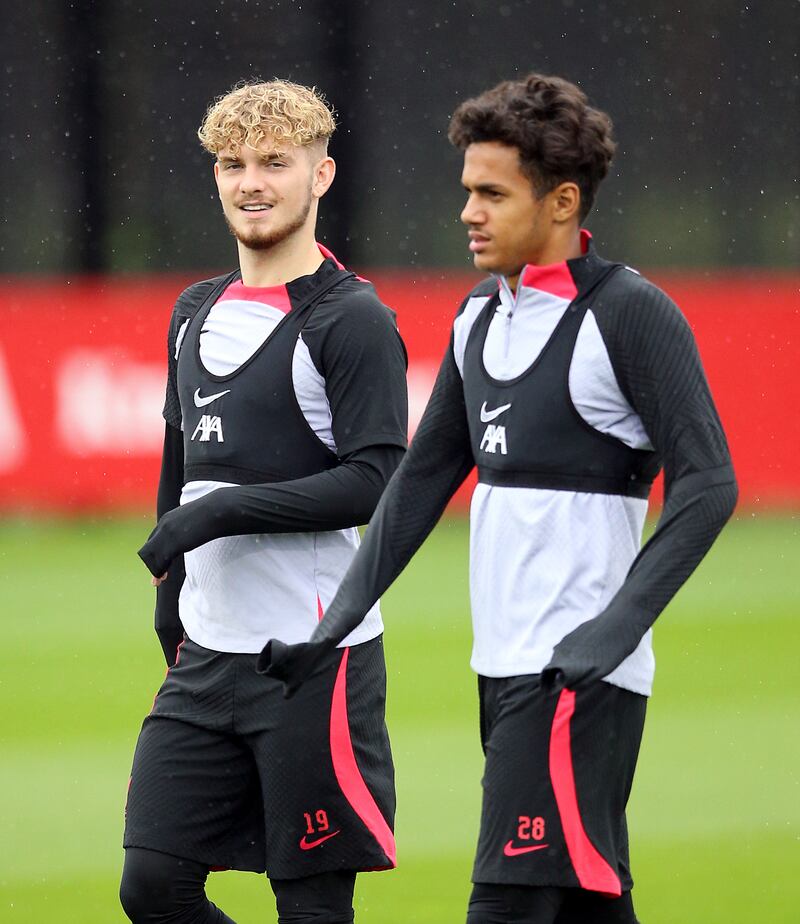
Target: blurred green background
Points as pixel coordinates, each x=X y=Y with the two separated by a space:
x=715 y=810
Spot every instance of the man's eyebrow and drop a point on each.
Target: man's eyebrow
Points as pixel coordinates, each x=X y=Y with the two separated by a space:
x=484 y=188
x=273 y=155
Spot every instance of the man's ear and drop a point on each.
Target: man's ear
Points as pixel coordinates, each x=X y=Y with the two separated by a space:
x=324 y=172
x=566 y=199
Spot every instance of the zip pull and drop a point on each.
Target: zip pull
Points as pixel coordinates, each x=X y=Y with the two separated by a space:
x=507 y=344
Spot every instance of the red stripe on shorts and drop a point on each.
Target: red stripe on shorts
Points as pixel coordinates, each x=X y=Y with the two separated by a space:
x=591 y=868
x=347 y=773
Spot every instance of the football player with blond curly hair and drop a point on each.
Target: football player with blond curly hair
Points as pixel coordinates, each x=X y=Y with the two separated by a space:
x=286 y=414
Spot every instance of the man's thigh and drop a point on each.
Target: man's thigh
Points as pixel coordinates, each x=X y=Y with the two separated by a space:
x=195 y=793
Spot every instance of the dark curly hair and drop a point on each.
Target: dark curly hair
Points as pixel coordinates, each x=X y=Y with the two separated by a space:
x=559 y=136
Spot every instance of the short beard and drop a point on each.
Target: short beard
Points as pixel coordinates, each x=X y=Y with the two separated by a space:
x=266 y=240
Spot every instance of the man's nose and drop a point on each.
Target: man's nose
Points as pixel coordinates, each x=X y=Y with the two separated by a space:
x=472 y=214
x=251 y=179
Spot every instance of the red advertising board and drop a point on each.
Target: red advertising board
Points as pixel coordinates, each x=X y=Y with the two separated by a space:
x=82 y=366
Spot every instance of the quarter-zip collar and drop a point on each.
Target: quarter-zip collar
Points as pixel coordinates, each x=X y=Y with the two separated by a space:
x=564 y=279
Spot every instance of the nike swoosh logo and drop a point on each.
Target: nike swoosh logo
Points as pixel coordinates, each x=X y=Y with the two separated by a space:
x=486 y=416
x=511 y=851
x=202 y=402
x=310 y=845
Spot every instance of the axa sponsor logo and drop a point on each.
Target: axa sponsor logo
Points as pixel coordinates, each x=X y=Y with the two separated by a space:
x=494 y=436
x=207 y=426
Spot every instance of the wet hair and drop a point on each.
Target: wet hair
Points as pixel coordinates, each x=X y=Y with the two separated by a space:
x=277 y=109
x=559 y=136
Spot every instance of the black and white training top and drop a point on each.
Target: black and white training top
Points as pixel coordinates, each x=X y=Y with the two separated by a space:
x=281 y=395
x=569 y=395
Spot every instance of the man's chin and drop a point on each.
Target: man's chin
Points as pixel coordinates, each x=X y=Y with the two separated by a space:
x=254 y=239
x=258 y=241
x=485 y=263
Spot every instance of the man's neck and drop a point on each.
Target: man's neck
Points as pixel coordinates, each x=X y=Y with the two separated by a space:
x=287 y=260
x=560 y=248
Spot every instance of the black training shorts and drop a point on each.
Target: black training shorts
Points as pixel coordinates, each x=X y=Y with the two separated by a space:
x=229 y=773
x=559 y=768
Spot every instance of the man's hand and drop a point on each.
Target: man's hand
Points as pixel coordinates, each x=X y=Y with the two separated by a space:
x=158 y=581
x=569 y=674
x=159 y=550
x=590 y=652
x=291 y=664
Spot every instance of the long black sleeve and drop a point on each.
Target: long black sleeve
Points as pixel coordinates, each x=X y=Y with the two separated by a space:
x=342 y=497
x=167 y=621
x=656 y=362
x=438 y=461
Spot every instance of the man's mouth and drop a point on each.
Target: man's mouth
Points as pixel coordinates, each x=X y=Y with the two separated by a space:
x=255 y=207
x=477 y=241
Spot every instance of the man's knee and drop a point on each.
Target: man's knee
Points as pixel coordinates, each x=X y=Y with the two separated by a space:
x=323 y=899
x=495 y=903
x=146 y=884
x=156 y=885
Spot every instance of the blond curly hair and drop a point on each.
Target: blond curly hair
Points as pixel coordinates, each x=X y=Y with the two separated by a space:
x=276 y=109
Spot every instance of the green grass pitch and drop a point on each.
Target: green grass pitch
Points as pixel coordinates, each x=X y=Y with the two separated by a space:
x=715 y=810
